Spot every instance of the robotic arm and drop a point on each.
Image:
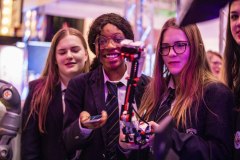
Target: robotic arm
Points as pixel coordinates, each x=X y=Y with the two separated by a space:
x=10 y=123
x=134 y=132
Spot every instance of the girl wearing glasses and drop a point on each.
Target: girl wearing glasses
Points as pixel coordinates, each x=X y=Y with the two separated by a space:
x=87 y=95
x=202 y=106
x=232 y=62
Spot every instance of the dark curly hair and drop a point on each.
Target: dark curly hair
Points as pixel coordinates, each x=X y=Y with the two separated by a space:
x=112 y=18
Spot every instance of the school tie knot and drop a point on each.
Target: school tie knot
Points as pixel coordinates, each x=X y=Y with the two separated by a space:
x=112 y=87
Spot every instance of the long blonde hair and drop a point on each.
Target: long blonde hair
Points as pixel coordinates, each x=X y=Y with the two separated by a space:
x=193 y=78
x=43 y=92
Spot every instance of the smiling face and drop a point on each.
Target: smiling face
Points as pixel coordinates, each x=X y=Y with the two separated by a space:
x=235 y=20
x=110 y=55
x=175 y=62
x=70 y=56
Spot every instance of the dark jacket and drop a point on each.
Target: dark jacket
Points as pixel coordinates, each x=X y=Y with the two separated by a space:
x=236 y=148
x=86 y=92
x=47 y=146
x=210 y=136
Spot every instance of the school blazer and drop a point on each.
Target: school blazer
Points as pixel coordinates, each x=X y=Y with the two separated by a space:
x=86 y=92
x=210 y=137
x=36 y=145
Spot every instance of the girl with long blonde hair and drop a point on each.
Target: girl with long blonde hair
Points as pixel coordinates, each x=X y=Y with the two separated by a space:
x=202 y=106
x=44 y=106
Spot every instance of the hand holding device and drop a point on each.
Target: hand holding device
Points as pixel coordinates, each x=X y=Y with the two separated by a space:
x=130 y=145
x=136 y=133
x=94 y=119
x=93 y=122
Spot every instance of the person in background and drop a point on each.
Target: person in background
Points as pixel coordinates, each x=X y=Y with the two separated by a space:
x=92 y=93
x=215 y=62
x=232 y=67
x=183 y=87
x=42 y=117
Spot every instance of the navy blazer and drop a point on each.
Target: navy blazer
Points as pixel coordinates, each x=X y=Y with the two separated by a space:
x=210 y=136
x=38 y=146
x=86 y=93
x=236 y=149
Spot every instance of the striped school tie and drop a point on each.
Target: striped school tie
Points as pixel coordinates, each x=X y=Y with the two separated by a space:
x=113 y=120
x=165 y=107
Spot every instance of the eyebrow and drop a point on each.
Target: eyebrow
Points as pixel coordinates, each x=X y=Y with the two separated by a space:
x=75 y=46
x=61 y=49
x=233 y=12
x=113 y=34
x=176 y=42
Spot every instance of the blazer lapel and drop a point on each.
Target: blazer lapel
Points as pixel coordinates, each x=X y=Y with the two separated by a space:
x=97 y=87
x=56 y=107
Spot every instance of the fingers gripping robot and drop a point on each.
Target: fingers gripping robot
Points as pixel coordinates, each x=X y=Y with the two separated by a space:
x=10 y=123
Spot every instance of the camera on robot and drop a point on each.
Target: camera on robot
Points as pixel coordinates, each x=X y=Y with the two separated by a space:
x=131 y=49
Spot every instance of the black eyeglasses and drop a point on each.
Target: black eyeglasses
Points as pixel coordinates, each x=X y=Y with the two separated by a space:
x=178 y=47
x=103 y=41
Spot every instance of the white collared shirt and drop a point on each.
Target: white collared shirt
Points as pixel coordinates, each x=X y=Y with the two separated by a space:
x=121 y=90
x=63 y=88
